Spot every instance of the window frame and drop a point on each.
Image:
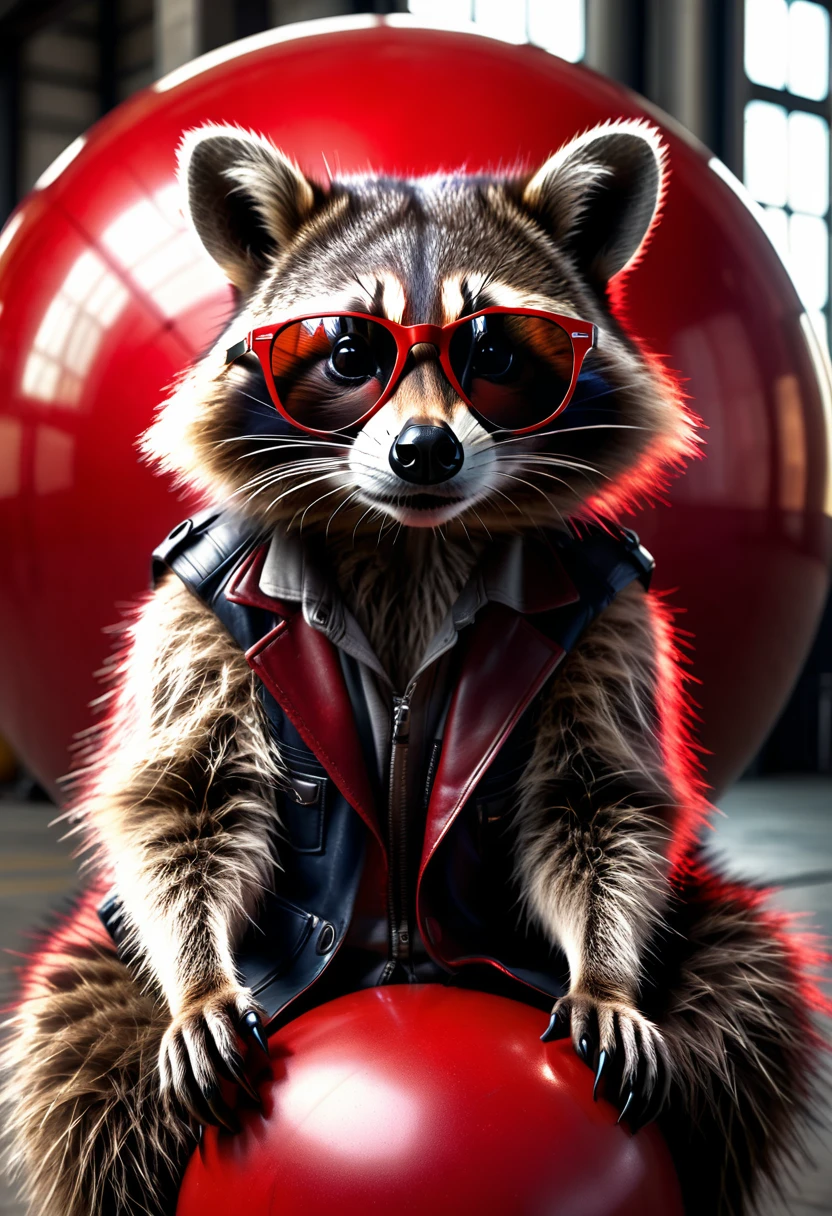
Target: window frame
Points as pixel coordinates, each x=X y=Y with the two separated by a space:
x=792 y=103
x=472 y=7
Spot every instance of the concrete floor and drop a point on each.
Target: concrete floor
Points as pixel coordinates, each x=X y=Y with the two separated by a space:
x=777 y=830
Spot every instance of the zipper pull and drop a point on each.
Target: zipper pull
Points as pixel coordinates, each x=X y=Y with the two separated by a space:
x=401 y=719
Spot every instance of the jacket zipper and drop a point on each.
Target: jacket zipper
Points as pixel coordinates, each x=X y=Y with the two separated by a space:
x=397 y=888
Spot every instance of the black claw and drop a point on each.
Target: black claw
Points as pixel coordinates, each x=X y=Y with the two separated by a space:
x=558 y=1028
x=653 y=1106
x=583 y=1047
x=198 y=1111
x=238 y=1075
x=626 y=1106
x=232 y=1069
x=602 y=1060
x=252 y=1025
x=222 y=1113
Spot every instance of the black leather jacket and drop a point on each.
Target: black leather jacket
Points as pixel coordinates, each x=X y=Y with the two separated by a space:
x=447 y=904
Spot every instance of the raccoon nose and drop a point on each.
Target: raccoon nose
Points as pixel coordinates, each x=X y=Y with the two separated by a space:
x=426 y=454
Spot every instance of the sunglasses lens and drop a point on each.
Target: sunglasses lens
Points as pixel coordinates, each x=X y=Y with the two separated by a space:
x=515 y=370
x=329 y=371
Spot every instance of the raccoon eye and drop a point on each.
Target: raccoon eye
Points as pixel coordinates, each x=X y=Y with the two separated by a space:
x=493 y=356
x=352 y=359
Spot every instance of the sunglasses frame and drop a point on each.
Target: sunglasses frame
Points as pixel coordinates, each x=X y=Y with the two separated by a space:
x=581 y=334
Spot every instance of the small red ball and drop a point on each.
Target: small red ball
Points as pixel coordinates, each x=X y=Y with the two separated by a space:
x=428 y=1101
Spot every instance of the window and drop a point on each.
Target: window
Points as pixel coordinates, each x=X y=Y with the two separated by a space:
x=786 y=138
x=556 y=25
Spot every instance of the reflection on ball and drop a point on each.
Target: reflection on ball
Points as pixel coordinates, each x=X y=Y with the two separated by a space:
x=428 y=1101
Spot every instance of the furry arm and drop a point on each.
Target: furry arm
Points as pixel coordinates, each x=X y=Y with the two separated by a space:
x=182 y=809
x=596 y=820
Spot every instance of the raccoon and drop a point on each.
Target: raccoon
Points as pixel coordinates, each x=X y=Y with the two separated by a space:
x=410 y=465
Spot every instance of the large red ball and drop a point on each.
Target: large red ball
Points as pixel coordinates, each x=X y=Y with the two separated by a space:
x=106 y=296
x=428 y=1101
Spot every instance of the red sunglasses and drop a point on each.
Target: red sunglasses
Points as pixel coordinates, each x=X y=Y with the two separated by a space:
x=516 y=368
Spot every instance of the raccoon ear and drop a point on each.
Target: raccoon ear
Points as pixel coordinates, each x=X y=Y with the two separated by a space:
x=598 y=195
x=245 y=198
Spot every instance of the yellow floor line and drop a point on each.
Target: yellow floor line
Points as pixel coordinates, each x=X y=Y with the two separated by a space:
x=33 y=886
x=34 y=861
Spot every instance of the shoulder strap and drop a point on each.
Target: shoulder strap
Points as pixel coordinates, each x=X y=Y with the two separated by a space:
x=601 y=561
x=204 y=551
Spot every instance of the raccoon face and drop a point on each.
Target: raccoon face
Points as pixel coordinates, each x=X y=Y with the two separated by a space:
x=422 y=252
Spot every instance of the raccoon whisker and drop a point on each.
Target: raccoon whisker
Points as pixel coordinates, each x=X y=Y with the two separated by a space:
x=362 y=517
x=328 y=494
x=321 y=462
x=312 y=481
x=276 y=447
x=499 y=506
x=618 y=388
x=299 y=466
x=586 y=470
x=542 y=493
x=283 y=477
x=354 y=494
x=273 y=477
x=496 y=490
x=566 y=430
x=551 y=476
x=286 y=440
x=268 y=406
x=483 y=524
x=548 y=458
x=465 y=530
x=306 y=466
x=509 y=500
x=256 y=487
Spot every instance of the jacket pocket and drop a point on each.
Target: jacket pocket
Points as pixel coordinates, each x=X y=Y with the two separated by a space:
x=304 y=800
x=303 y=816
x=270 y=949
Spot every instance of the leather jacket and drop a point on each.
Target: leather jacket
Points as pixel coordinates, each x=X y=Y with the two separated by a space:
x=396 y=858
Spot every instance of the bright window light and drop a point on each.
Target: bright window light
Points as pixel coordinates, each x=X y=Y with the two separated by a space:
x=501 y=20
x=808 y=50
x=808 y=178
x=559 y=26
x=443 y=12
x=809 y=259
x=776 y=223
x=819 y=325
x=767 y=42
x=766 y=152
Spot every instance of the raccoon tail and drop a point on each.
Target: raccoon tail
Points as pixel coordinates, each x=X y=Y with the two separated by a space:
x=88 y=1134
x=739 y=1017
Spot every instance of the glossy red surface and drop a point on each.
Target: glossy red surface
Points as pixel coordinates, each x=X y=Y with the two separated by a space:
x=428 y=1101
x=105 y=296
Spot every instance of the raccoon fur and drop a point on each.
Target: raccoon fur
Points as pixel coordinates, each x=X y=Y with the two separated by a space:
x=686 y=991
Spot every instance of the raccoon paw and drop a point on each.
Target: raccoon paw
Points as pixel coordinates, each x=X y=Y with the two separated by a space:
x=625 y=1050
x=200 y=1049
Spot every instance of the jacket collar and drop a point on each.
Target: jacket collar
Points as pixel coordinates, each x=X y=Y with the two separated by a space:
x=521 y=573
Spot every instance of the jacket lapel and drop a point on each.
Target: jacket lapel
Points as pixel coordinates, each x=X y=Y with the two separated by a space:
x=506 y=664
x=301 y=670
